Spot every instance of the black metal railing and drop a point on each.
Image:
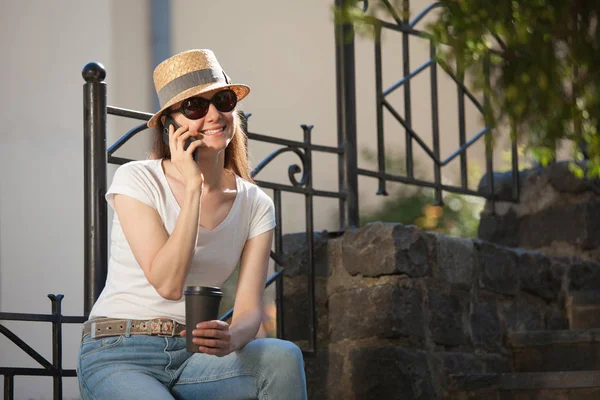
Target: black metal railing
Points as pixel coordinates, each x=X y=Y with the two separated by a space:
x=345 y=63
x=97 y=155
x=54 y=368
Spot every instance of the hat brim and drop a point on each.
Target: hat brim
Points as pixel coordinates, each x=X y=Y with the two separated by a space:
x=240 y=90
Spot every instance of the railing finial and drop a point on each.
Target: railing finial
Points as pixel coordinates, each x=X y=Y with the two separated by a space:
x=93 y=72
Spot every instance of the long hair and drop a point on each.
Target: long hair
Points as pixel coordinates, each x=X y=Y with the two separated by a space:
x=236 y=153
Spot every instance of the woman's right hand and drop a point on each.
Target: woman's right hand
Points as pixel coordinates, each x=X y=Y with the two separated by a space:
x=184 y=159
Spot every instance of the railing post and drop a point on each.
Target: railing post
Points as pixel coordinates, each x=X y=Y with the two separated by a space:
x=57 y=345
x=9 y=387
x=95 y=212
x=346 y=117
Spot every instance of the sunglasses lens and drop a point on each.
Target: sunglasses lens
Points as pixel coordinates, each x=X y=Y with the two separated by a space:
x=225 y=100
x=195 y=107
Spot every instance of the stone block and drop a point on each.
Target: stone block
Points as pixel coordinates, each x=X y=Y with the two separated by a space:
x=448 y=312
x=460 y=363
x=295 y=254
x=390 y=373
x=486 y=330
x=584 y=276
x=577 y=225
x=296 y=309
x=385 y=248
x=500 y=229
x=496 y=363
x=383 y=311
x=563 y=180
x=498 y=269
x=455 y=259
x=522 y=315
x=556 y=319
x=538 y=275
x=324 y=375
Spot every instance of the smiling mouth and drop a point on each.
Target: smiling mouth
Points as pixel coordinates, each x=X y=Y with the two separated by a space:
x=213 y=132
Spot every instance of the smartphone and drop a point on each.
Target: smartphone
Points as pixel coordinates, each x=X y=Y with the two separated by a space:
x=170 y=121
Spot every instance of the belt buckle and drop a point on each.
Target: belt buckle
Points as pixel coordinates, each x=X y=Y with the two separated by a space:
x=157 y=326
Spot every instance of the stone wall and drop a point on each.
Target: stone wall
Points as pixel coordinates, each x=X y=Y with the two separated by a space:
x=400 y=309
x=557 y=214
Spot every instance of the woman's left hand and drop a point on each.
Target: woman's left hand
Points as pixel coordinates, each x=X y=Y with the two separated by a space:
x=213 y=337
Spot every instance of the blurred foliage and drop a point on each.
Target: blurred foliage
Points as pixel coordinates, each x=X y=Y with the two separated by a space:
x=542 y=57
x=410 y=205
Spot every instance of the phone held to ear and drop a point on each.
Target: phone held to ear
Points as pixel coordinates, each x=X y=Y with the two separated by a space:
x=170 y=121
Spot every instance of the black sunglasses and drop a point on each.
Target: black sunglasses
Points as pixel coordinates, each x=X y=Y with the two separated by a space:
x=197 y=107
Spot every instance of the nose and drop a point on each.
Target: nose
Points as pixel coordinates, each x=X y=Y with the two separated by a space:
x=213 y=114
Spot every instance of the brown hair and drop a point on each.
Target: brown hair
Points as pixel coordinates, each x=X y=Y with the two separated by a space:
x=236 y=153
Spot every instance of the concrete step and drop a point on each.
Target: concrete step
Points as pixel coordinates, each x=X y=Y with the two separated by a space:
x=583 y=309
x=572 y=385
x=547 y=351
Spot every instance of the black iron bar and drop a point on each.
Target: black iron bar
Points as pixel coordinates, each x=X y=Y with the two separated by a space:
x=294 y=189
x=309 y=218
x=464 y=147
x=339 y=98
x=292 y=143
x=435 y=126
x=57 y=344
x=404 y=28
x=118 y=160
x=516 y=181
x=5 y=316
x=423 y=13
x=125 y=138
x=25 y=347
x=9 y=386
x=488 y=142
x=19 y=371
x=392 y=12
x=95 y=208
x=379 y=108
x=411 y=134
x=278 y=264
x=431 y=185
x=407 y=96
x=346 y=68
x=462 y=127
x=123 y=112
x=461 y=85
x=406 y=78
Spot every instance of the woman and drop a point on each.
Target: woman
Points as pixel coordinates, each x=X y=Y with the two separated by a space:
x=187 y=217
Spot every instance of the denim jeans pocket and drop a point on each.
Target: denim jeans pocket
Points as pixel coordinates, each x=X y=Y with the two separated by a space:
x=90 y=346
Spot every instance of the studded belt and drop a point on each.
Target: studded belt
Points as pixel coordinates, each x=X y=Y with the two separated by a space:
x=102 y=327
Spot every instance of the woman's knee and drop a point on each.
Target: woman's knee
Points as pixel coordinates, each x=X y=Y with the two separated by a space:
x=279 y=354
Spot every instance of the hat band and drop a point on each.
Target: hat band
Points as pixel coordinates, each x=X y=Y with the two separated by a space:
x=188 y=81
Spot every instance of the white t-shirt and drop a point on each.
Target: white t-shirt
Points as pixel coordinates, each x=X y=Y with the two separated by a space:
x=127 y=293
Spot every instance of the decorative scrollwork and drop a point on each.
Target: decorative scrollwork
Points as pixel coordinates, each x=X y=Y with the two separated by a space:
x=292 y=169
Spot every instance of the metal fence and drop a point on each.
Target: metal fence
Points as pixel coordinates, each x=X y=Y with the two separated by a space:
x=97 y=155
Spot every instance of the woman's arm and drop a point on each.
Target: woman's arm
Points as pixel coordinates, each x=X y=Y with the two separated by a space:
x=218 y=337
x=248 y=307
x=164 y=259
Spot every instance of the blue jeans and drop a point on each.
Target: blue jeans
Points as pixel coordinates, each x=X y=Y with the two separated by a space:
x=153 y=367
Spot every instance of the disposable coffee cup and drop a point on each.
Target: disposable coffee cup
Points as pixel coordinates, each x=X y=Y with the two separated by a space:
x=201 y=304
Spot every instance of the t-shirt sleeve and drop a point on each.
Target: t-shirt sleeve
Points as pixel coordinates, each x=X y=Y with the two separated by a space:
x=131 y=180
x=263 y=217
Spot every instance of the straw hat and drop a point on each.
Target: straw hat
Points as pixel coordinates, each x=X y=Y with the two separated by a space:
x=189 y=74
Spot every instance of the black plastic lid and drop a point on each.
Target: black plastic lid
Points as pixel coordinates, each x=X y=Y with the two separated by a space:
x=203 y=290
